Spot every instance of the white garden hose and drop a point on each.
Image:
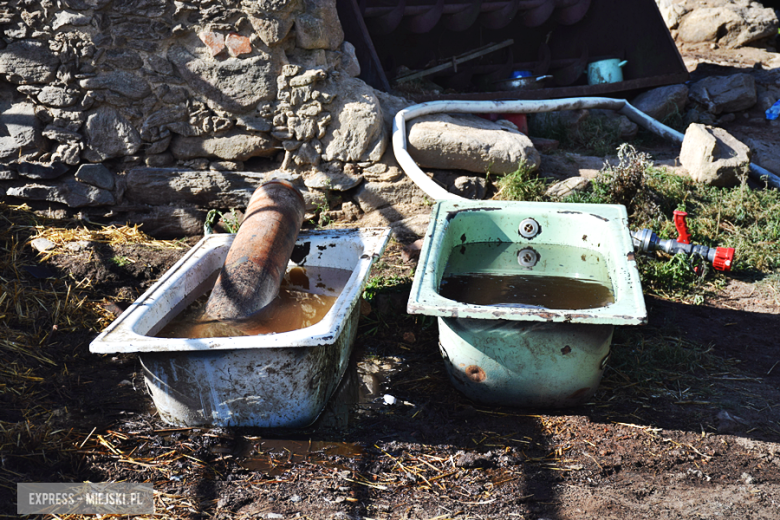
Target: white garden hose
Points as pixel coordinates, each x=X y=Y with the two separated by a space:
x=622 y=106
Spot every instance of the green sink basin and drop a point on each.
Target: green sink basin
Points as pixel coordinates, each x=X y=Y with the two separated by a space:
x=527 y=295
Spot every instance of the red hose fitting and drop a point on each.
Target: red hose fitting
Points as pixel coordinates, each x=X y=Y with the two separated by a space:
x=682 y=227
x=724 y=256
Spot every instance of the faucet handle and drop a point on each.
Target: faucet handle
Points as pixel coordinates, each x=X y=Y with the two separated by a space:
x=682 y=227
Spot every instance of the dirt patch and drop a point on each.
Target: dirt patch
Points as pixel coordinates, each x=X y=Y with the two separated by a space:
x=112 y=266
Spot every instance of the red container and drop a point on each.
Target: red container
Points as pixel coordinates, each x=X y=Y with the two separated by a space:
x=519 y=120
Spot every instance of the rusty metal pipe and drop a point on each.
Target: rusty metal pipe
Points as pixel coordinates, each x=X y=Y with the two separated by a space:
x=257 y=260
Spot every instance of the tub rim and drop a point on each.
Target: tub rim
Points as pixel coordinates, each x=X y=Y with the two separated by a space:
x=628 y=308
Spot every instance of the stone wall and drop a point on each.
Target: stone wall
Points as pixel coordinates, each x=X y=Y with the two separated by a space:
x=155 y=111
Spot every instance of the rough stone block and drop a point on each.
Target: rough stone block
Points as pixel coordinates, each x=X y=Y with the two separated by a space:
x=660 y=103
x=22 y=128
x=564 y=188
x=355 y=131
x=731 y=24
x=233 y=147
x=124 y=83
x=58 y=97
x=167 y=221
x=371 y=196
x=713 y=156
x=110 y=135
x=70 y=192
x=332 y=181
x=208 y=188
x=725 y=93
x=235 y=85
x=27 y=61
x=96 y=175
x=40 y=171
x=469 y=143
x=319 y=27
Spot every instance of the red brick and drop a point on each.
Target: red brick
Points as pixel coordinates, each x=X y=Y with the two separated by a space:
x=214 y=41
x=238 y=45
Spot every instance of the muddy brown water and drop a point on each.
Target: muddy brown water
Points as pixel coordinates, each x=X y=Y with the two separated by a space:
x=551 y=292
x=305 y=297
x=550 y=276
x=276 y=456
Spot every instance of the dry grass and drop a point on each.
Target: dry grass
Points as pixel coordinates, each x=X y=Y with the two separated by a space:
x=111 y=235
x=35 y=314
x=32 y=312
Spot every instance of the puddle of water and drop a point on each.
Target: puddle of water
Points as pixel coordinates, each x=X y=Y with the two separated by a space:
x=275 y=456
x=305 y=297
x=374 y=375
x=553 y=277
x=362 y=389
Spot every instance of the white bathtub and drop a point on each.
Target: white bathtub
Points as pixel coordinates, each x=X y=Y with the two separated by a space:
x=271 y=380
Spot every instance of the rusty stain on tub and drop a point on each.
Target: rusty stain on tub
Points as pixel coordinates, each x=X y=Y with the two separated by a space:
x=570 y=317
x=579 y=393
x=475 y=373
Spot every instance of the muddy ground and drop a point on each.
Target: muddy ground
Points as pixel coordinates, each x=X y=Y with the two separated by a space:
x=686 y=423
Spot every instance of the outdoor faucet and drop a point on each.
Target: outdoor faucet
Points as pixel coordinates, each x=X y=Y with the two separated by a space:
x=645 y=241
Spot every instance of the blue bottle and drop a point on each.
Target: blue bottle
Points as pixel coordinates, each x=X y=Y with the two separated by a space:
x=773 y=112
